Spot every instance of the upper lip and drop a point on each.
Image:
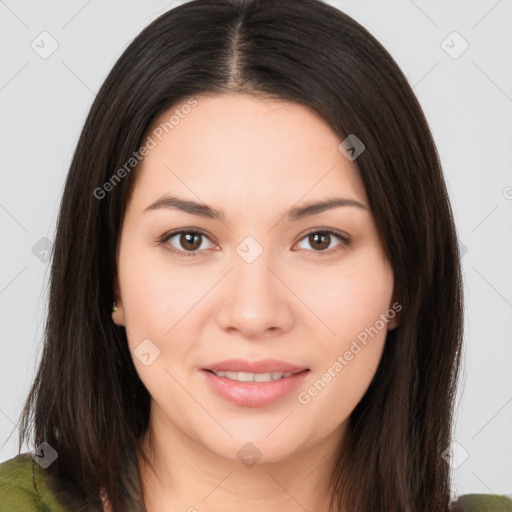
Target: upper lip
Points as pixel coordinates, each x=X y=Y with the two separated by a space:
x=262 y=366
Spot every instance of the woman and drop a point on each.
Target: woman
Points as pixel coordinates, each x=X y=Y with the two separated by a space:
x=257 y=192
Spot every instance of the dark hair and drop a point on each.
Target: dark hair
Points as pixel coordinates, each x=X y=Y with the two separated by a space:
x=87 y=400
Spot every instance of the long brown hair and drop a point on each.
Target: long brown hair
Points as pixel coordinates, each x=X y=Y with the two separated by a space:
x=87 y=400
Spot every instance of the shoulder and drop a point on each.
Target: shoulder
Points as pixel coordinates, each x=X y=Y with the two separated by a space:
x=482 y=503
x=17 y=490
x=26 y=487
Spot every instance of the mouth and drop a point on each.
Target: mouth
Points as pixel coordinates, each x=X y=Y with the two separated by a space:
x=254 y=377
x=253 y=383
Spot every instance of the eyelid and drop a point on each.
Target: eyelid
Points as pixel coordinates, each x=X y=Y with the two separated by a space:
x=343 y=236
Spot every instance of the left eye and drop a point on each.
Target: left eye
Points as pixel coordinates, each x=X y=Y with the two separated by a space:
x=192 y=242
x=321 y=241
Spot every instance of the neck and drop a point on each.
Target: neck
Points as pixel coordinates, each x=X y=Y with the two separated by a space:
x=184 y=475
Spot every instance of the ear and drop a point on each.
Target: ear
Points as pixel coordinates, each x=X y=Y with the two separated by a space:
x=396 y=307
x=393 y=323
x=118 y=314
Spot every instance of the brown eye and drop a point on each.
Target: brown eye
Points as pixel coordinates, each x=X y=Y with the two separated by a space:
x=190 y=241
x=321 y=242
x=186 y=243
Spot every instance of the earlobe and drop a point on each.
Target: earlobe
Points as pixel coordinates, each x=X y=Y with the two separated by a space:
x=395 y=308
x=393 y=324
x=117 y=306
x=118 y=313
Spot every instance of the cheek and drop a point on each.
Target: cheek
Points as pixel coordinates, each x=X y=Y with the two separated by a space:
x=356 y=310
x=351 y=299
x=155 y=294
x=162 y=303
x=154 y=300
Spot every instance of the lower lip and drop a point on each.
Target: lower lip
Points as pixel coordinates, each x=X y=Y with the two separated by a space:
x=254 y=394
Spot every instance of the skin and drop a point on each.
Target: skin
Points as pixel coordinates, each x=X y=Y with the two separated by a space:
x=253 y=159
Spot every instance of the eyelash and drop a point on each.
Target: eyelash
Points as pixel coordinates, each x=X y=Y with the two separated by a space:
x=344 y=241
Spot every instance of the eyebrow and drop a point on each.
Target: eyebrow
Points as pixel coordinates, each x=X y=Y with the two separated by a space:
x=295 y=213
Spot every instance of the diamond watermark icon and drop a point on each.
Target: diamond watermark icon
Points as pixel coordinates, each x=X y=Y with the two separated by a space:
x=463 y=249
x=455 y=455
x=45 y=45
x=44 y=455
x=249 y=249
x=146 y=352
x=454 y=45
x=42 y=249
x=351 y=147
x=249 y=454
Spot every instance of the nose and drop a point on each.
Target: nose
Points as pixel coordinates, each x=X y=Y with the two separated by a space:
x=256 y=302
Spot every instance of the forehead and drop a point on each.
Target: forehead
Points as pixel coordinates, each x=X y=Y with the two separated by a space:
x=237 y=146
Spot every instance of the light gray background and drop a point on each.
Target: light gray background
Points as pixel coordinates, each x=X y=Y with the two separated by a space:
x=467 y=101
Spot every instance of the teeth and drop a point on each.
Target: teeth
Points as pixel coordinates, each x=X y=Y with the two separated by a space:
x=253 y=377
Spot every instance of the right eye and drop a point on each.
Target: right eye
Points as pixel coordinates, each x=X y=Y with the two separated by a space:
x=185 y=243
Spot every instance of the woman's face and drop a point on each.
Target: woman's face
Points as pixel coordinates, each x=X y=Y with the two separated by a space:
x=262 y=284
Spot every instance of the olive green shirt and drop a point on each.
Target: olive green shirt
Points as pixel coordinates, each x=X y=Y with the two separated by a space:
x=26 y=487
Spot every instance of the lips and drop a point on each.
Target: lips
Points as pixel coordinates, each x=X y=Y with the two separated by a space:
x=253 y=383
x=263 y=366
